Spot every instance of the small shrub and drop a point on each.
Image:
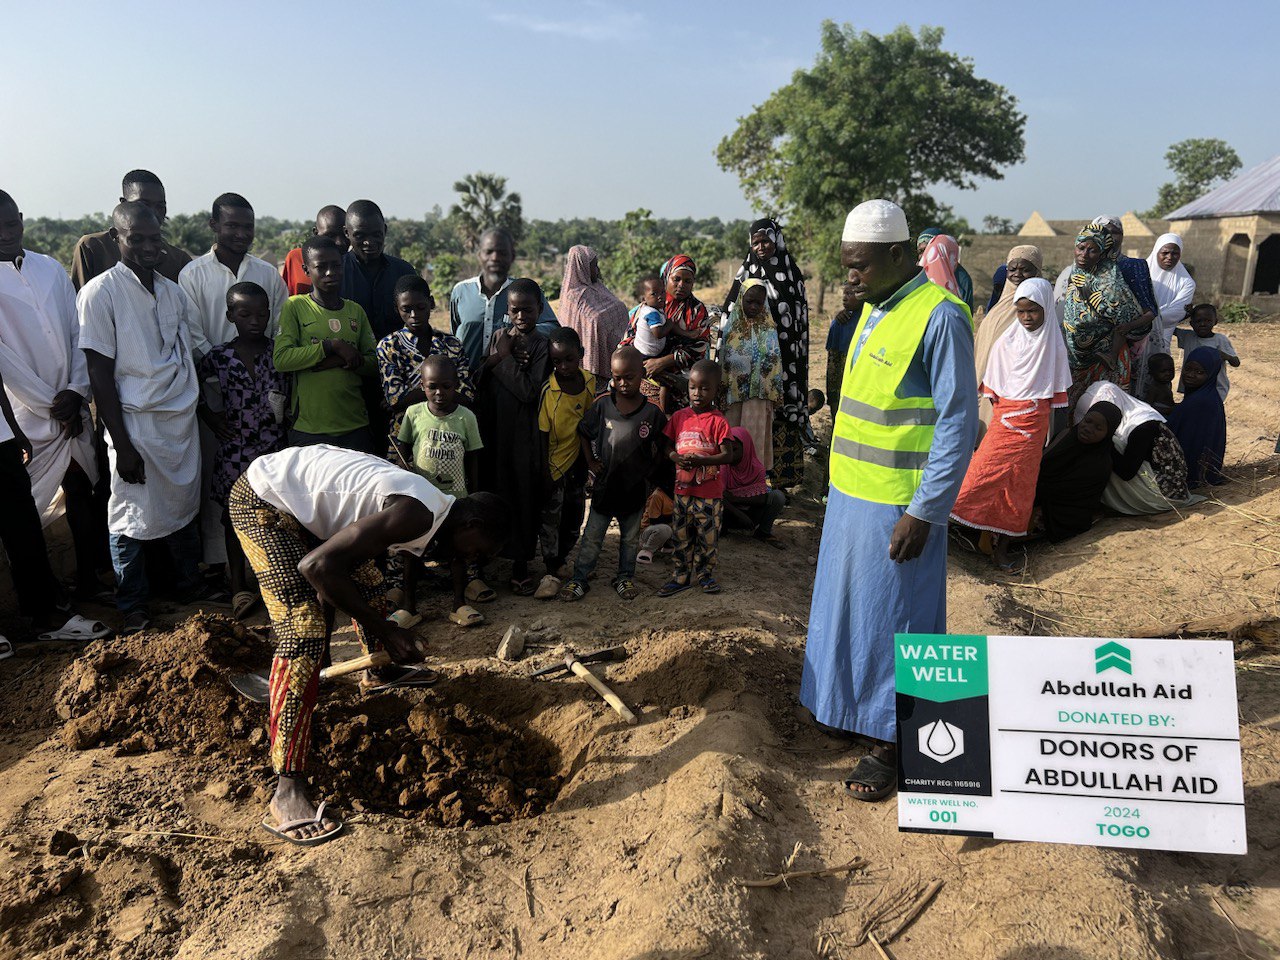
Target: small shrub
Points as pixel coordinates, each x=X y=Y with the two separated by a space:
x=1236 y=311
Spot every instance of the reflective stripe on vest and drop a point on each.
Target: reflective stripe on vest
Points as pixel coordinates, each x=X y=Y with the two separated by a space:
x=880 y=441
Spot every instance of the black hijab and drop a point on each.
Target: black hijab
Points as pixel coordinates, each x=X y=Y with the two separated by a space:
x=1073 y=475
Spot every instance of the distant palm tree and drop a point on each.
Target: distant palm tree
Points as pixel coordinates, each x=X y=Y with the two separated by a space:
x=483 y=202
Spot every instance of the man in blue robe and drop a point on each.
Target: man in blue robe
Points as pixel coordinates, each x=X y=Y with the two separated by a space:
x=904 y=430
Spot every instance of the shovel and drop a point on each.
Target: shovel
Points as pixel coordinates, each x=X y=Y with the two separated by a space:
x=257 y=686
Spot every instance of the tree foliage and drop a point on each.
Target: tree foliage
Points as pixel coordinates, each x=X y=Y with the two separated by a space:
x=875 y=116
x=1198 y=165
x=1000 y=225
x=483 y=202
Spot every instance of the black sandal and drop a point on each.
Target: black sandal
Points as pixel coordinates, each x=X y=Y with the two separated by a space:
x=875 y=773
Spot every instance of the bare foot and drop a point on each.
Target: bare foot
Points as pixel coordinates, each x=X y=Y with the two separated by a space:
x=292 y=803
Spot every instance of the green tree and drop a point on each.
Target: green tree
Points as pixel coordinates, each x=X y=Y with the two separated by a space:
x=1001 y=225
x=641 y=249
x=875 y=116
x=1198 y=166
x=483 y=202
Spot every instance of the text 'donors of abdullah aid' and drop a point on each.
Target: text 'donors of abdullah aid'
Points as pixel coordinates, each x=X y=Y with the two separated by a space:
x=1126 y=743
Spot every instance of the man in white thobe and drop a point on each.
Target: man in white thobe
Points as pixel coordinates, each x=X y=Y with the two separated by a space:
x=47 y=381
x=134 y=329
x=206 y=281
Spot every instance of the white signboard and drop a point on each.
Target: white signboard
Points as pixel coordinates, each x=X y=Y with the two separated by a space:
x=1119 y=743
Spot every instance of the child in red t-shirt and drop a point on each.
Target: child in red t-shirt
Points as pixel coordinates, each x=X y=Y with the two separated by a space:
x=702 y=442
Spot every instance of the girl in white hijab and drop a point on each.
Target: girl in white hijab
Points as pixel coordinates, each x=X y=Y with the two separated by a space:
x=1174 y=290
x=1027 y=376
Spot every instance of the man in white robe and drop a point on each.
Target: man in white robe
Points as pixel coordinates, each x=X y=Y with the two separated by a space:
x=206 y=280
x=134 y=329
x=47 y=382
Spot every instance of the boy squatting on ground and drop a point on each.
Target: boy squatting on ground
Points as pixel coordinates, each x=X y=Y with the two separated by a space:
x=622 y=443
x=702 y=443
x=441 y=440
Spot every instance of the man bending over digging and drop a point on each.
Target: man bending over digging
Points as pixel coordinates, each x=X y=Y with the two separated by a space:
x=312 y=521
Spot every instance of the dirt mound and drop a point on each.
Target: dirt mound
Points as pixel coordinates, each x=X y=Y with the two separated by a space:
x=150 y=691
x=447 y=764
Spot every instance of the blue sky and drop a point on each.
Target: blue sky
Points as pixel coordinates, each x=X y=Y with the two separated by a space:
x=590 y=107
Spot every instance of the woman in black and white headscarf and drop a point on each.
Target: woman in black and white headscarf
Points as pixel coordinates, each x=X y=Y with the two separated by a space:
x=768 y=260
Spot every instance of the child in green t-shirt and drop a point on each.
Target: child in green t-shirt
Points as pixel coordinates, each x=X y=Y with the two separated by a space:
x=327 y=343
x=439 y=438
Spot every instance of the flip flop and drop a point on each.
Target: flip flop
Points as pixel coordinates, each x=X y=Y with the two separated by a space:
x=467 y=616
x=243 y=602
x=644 y=556
x=874 y=773
x=672 y=587
x=280 y=831
x=573 y=590
x=405 y=619
x=6 y=648
x=479 y=592
x=625 y=588
x=548 y=587
x=407 y=677
x=523 y=588
x=80 y=629
x=709 y=584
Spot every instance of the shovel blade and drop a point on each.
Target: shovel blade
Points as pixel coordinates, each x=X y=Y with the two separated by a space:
x=254 y=686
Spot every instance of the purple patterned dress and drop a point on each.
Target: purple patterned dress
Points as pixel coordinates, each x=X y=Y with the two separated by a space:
x=246 y=404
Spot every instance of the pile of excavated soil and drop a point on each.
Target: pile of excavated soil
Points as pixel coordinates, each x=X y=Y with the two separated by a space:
x=151 y=691
x=447 y=764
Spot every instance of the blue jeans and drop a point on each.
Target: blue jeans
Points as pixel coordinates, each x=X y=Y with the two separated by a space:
x=132 y=589
x=593 y=538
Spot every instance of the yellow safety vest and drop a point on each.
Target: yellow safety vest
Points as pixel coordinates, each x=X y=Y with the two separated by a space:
x=881 y=441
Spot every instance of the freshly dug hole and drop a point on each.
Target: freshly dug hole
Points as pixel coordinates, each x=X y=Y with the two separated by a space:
x=446 y=764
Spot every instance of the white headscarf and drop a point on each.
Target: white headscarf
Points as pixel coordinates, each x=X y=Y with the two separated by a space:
x=1030 y=364
x=1133 y=412
x=1174 y=288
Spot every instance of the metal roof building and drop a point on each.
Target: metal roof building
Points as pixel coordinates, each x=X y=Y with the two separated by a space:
x=1235 y=229
x=1254 y=191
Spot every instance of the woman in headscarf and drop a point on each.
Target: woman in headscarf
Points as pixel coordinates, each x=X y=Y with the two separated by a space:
x=1098 y=311
x=1149 y=472
x=752 y=365
x=1023 y=263
x=590 y=308
x=1200 y=420
x=687 y=339
x=1174 y=289
x=769 y=260
x=1027 y=377
x=1074 y=472
x=940 y=257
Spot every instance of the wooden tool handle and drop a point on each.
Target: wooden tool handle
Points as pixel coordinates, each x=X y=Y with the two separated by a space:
x=379 y=658
x=609 y=696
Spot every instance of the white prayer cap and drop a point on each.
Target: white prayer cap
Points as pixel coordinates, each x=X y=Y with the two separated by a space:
x=876 y=221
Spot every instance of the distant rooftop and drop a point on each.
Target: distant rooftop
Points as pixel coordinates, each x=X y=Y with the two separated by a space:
x=1254 y=191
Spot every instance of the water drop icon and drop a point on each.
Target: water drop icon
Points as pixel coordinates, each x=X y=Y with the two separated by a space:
x=940 y=741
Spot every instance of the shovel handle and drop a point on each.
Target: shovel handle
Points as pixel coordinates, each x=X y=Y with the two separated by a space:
x=609 y=696
x=379 y=658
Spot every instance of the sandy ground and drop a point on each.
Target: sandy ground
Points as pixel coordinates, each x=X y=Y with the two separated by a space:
x=132 y=779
